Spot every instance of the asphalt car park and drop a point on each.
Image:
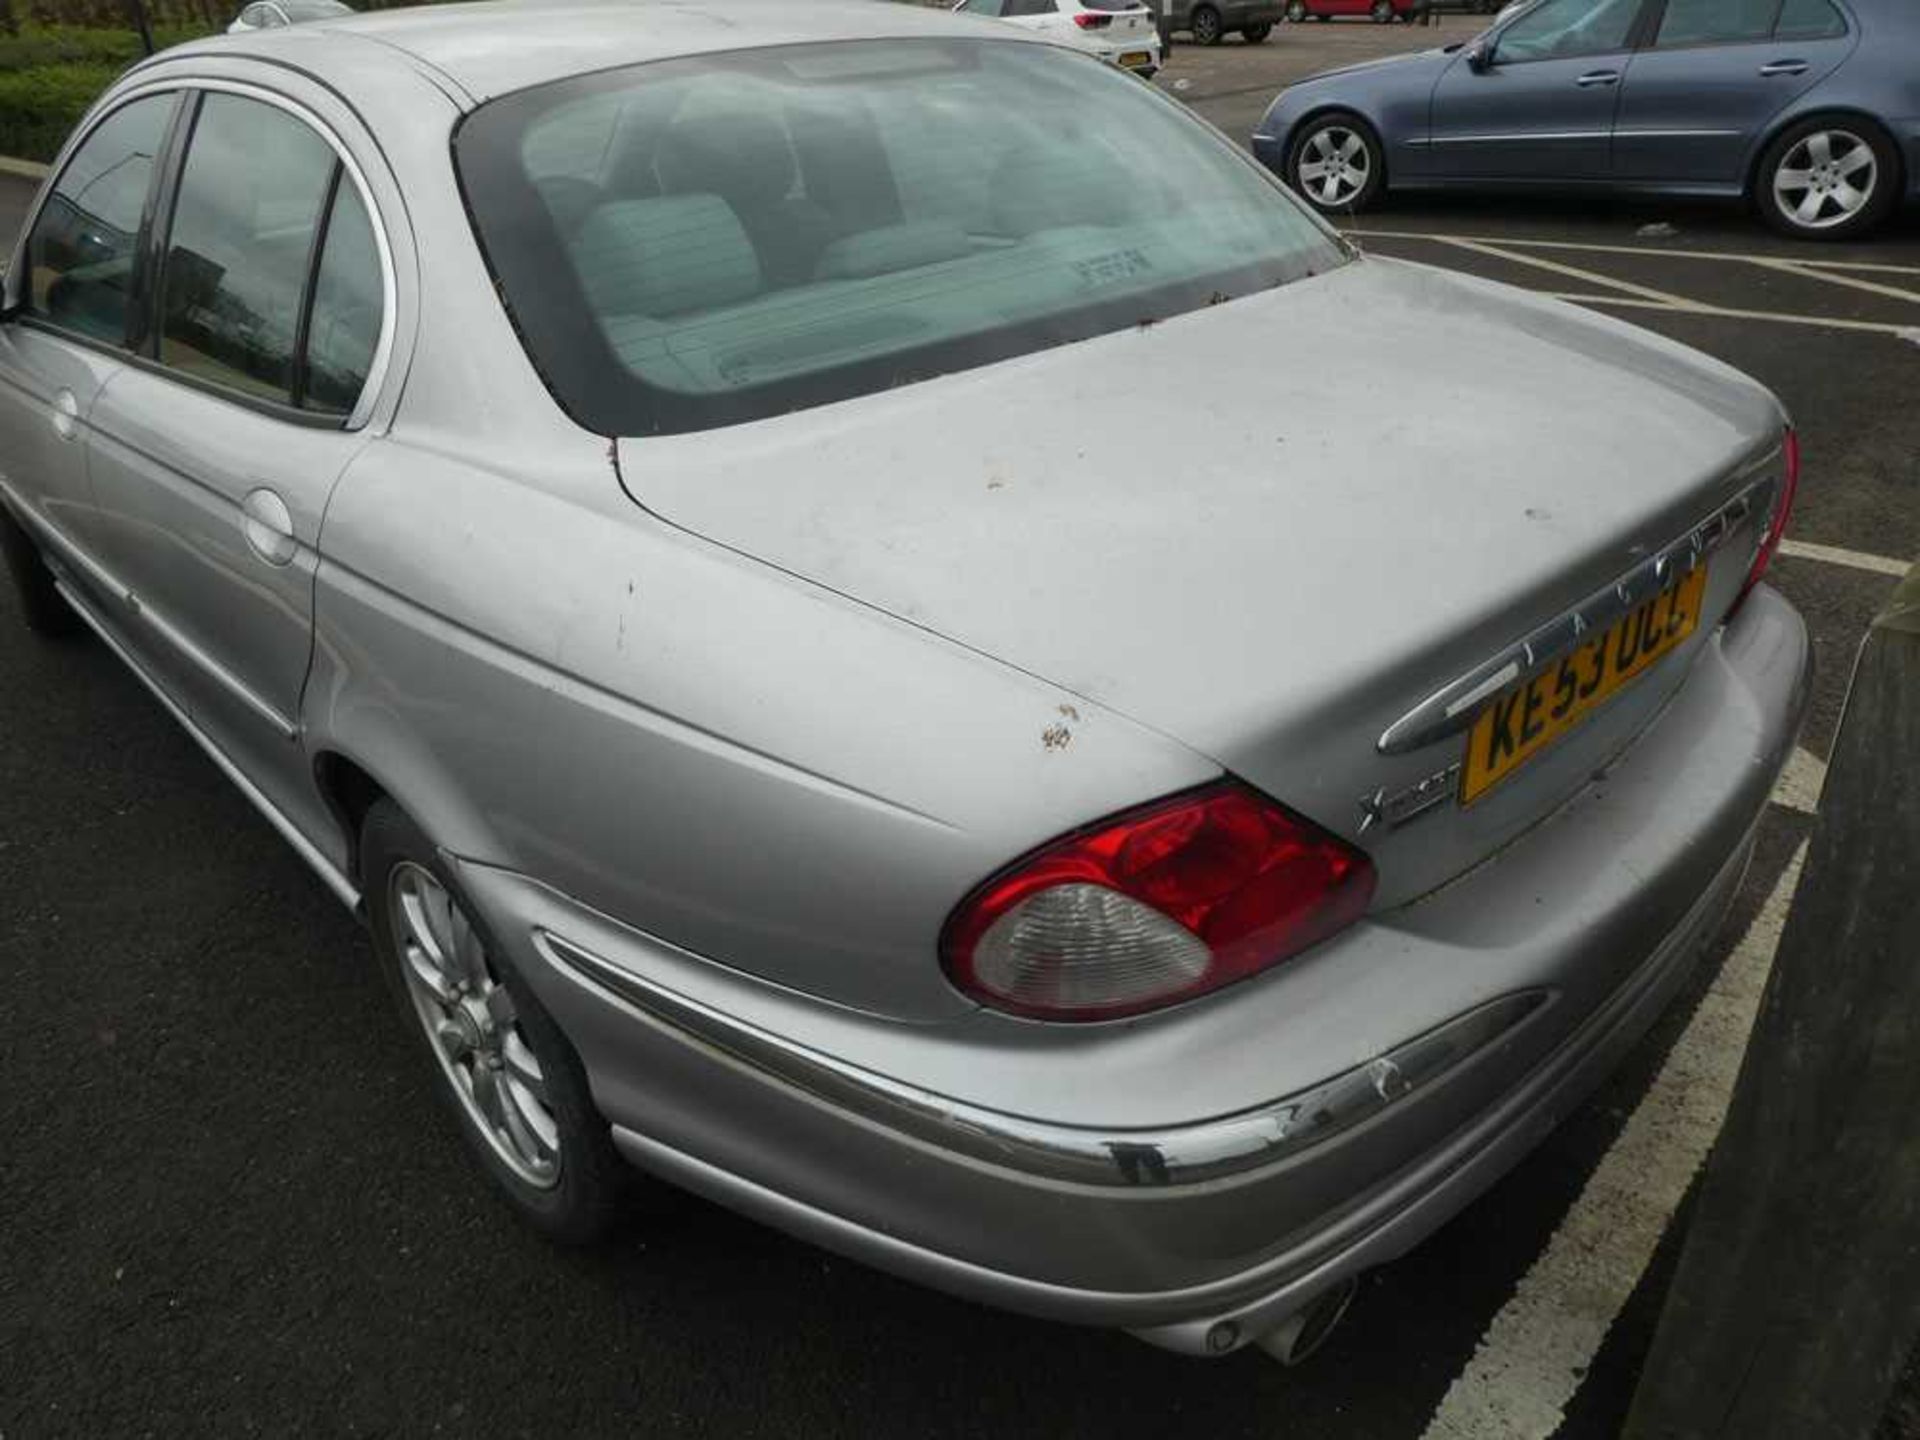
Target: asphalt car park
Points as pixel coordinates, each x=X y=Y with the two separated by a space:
x=223 y=1213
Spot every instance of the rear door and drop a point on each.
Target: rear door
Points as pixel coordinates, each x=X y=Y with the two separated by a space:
x=75 y=293
x=1543 y=107
x=216 y=448
x=1717 y=72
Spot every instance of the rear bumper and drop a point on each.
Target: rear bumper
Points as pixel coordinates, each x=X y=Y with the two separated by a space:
x=1113 y=51
x=1503 y=999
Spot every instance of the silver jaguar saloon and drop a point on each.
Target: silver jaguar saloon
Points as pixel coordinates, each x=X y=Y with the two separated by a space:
x=649 y=499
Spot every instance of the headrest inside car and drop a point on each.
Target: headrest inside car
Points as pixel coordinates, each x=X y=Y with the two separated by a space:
x=664 y=256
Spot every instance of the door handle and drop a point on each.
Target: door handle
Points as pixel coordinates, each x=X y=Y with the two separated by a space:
x=268 y=527
x=66 y=415
x=1785 y=67
x=1598 y=77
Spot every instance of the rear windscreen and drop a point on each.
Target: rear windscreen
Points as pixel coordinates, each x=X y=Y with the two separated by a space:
x=700 y=242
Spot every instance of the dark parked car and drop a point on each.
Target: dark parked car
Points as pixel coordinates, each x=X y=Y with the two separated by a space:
x=1810 y=108
x=1210 y=20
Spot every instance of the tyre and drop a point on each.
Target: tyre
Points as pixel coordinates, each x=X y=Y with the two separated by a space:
x=1382 y=11
x=41 y=605
x=1828 y=179
x=516 y=1089
x=1297 y=11
x=1336 y=163
x=1256 y=34
x=1206 y=25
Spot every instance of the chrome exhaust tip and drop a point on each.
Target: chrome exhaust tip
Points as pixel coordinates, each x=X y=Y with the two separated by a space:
x=1296 y=1338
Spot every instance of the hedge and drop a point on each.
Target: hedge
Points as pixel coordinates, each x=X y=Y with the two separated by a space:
x=50 y=74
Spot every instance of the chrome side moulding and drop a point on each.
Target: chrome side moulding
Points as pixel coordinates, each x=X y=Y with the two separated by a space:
x=1452 y=708
x=1177 y=1155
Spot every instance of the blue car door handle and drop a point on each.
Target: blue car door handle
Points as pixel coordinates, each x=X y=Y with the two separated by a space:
x=1598 y=77
x=1785 y=67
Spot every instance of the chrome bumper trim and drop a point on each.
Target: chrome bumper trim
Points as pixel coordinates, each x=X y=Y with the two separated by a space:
x=1176 y=1155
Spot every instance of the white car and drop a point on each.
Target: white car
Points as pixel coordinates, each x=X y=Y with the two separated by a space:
x=1120 y=32
x=272 y=14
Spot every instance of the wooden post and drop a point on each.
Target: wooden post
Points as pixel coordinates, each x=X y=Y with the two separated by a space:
x=139 y=9
x=1797 y=1299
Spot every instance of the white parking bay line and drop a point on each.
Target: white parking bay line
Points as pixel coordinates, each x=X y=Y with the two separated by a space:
x=1721 y=312
x=1530 y=1361
x=1807 y=271
x=1801 y=782
x=1663 y=298
x=1653 y=252
x=1856 y=559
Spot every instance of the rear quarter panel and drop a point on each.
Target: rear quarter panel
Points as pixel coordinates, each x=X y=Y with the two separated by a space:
x=740 y=764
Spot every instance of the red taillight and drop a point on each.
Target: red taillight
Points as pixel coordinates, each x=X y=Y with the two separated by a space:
x=1154 y=906
x=1088 y=21
x=1777 y=522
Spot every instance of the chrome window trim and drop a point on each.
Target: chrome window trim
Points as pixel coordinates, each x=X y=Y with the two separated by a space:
x=1165 y=1155
x=378 y=370
x=1452 y=708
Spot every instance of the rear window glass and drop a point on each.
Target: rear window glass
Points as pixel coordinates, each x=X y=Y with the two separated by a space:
x=701 y=242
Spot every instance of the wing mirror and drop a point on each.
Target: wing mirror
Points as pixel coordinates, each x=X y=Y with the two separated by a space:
x=1480 y=57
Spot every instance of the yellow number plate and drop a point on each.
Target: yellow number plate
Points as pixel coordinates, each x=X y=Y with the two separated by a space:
x=1518 y=725
x=1134 y=59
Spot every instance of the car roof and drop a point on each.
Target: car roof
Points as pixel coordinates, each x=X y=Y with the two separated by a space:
x=491 y=48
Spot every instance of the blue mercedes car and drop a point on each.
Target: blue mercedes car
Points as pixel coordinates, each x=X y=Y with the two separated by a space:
x=1809 y=108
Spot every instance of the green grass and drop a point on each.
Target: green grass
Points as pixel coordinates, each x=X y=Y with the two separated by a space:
x=49 y=75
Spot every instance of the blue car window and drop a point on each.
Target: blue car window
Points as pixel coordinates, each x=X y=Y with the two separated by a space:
x=1557 y=28
x=1809 y=20
x=1715 y=22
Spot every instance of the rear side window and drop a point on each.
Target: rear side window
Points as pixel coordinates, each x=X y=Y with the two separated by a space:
x=80 y=257
x=1715 y=22
x=271 y=284
x=1809 y=20
x=344 y=328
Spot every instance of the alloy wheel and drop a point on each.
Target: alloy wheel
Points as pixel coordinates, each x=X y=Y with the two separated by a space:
x=1206 y=25
x=1335 y=165
x=1826 y=179
x=471 y=1024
